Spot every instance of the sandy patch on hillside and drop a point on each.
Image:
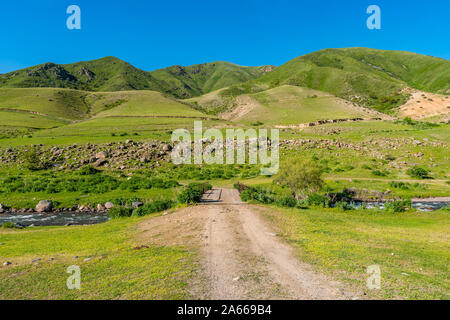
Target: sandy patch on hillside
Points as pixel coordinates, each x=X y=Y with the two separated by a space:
x=244 y=105
x=424 y=105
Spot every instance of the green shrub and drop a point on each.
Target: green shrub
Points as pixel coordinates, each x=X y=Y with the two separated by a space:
x=193 y=192
x=343 y=205
x=399 y=185
x=379 y=173
x=120 y=212
x=9 y=225
x=418 y=172
x=125 y=202
x=88 y=170
x=397 y=206
x=316 y=199
x=287 y=202
x=152 y=207
x=32 y=160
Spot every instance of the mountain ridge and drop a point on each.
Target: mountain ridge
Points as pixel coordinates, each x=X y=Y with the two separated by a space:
x=379 y=79
x=113 y=74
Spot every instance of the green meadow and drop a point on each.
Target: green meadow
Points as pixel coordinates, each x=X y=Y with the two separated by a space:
x=55 y=119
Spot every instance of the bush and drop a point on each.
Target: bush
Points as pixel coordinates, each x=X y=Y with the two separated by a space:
x=120 y=212
x=379 y=173
x=399 y=185
x=193 y=192
x=32 y=161
x=397 y=206
x=316 y=199
x=125 y=202
x=88 y=170
x=152 y=207
x=343 y=205
x=247 y=195
x=302 y=177
x=9 y=225
x=287 y=202
x=418 y=172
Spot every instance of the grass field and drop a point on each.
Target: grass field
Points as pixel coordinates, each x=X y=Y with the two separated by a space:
x=294 y=105
x=410 y=248
x=16 y=120
x=110 y=266
x=68 y=127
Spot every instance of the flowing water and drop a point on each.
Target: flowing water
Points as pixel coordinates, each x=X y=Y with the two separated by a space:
x=420 y=206
x=70 y=218
x=60 y=219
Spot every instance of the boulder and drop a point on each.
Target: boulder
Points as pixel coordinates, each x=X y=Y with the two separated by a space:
x=109 y=205
x=100 y=162
x=100 y=207
x=2 y=208
x=102 y=155
x=44 y=206
x=137 y=204
x=166 y=147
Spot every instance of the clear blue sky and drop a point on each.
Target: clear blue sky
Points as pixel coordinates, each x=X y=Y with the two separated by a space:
x=154 y=34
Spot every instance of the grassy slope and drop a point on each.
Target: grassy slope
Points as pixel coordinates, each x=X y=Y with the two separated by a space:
x=49 y=107
x=366 y=76
x=115 y=271
x=112 y=74
x=199 y=79
x=61 y=103
x=293 y=105
x=106 y=74
x=346 y=243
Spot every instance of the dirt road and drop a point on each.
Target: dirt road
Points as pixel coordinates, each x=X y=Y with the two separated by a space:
x=240 y=257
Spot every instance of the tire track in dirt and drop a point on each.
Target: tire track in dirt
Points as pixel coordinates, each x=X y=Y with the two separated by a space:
x=240 y=257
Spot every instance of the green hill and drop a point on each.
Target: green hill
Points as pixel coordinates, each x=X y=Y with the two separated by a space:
x=106 y=74
x=282 y=105
x=52 y=107
x=186 y=82
x=112 y=74
x=368 y=77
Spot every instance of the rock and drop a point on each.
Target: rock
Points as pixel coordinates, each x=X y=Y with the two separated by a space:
x=102 y=155
x=166 y=147
x=44 y=206
x=99 y=162
x=2 y=208
x=137 y=204
x=87 y=259
x=100 y=207
x=35 y=260
x=109 y=205
x=7 y=263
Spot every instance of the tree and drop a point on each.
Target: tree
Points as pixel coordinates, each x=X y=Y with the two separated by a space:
x=418 y=172
x=301 y=176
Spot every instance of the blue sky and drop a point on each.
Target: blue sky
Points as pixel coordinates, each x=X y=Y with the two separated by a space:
x=155 y=34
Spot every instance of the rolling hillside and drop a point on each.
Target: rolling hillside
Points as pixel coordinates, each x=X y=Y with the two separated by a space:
x=112 y=74
x=283 y=105
x=369 y=77
x=50 y=107
x=199 y=79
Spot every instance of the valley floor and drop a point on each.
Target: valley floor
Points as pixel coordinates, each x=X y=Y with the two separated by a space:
x=232 y=250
